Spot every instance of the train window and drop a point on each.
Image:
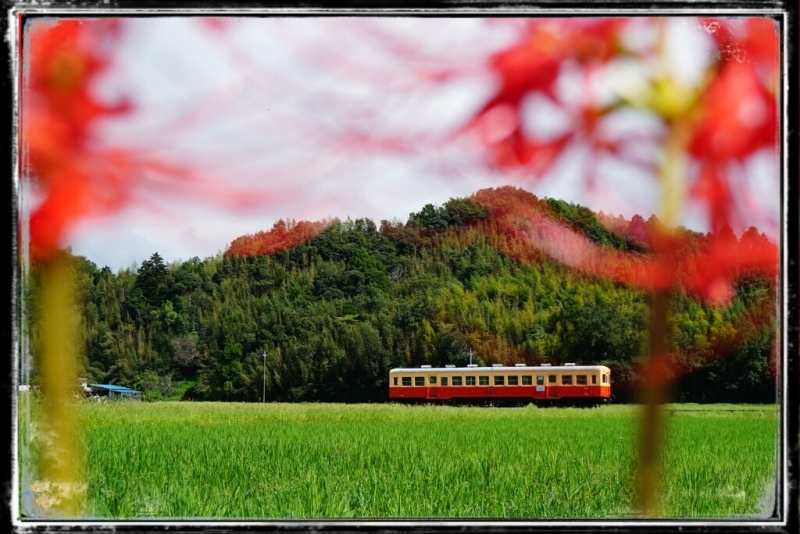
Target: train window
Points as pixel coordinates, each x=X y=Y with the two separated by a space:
x=605 y=379
x=483 y=380
x=395 y=381
x=444 y=380
x=470 y=380
x=456 y=380
x=580 y=380
x=419 y=380
x=499 y=380
x=566 y=380
x=594 y=379
x=539 y=380
x=432 y=380
x=527 y=380
x=406 y=380
x=513 y=380
x=551 y=379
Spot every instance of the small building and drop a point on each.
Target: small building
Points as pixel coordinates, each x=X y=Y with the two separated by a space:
x=111 y=391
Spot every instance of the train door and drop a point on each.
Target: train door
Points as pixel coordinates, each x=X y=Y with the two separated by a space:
x=540 y=387
x=552 y=386
x=433 y=387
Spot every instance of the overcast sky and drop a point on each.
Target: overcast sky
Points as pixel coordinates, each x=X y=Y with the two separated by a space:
x=332 y=117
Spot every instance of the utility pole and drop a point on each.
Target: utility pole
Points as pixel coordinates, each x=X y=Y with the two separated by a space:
x=470 y=356
x=264 y=391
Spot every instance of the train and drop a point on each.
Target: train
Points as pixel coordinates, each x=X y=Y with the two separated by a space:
x=520 y=384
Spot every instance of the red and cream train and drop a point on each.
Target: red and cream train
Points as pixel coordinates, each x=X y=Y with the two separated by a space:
x=543 y=385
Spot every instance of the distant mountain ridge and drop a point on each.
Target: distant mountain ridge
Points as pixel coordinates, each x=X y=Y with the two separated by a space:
x=527 y=228
x=321 y=311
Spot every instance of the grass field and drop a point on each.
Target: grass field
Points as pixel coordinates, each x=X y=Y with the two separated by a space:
x=256 y=461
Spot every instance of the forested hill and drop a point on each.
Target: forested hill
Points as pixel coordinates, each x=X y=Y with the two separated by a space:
x=334 y=305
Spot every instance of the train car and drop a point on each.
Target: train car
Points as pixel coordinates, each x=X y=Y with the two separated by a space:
x=544 y=385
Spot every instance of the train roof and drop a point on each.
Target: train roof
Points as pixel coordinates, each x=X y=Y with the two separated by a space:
x=501 y=368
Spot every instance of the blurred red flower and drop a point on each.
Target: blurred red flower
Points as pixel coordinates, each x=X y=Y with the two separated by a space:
x=74 y=175
x=58 y=112
x=734 y=116
x=533 y=65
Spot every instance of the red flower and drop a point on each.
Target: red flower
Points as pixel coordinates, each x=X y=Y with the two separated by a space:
x=738 y=117
x=713 y=189
x=705 y=266
x=735 y=116
x=754 y=40
x=59 y=115
x=59 y=110
x=534 y=65
x=535 y=62
x=64 y=58
x=516 y=150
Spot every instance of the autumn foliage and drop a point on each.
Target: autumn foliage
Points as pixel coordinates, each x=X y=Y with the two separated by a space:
x=527 y=226
x=283 y=236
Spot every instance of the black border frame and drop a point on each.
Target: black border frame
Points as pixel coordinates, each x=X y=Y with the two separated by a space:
x=789 y=250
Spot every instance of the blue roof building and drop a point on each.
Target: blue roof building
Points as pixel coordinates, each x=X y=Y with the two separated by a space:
x=111 y=391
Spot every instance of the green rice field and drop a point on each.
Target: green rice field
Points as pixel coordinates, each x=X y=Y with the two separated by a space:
x=183 y=460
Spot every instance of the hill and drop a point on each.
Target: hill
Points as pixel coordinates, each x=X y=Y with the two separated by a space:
x=321 y=311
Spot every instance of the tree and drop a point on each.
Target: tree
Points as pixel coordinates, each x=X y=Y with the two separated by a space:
x=430 y=217
x=153 y=280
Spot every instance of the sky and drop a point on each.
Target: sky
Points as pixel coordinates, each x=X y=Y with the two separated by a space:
x=313 y=118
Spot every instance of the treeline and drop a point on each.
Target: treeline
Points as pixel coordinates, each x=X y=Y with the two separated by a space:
x=323 y=317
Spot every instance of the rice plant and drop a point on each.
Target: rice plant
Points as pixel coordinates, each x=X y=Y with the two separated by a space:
x=270 y=461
